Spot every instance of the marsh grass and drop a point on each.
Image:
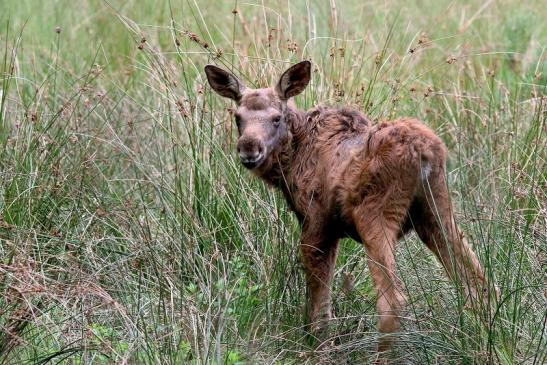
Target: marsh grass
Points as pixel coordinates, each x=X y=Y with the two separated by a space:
x=130 y=234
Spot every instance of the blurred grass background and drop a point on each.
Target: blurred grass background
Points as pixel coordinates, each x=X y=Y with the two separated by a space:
x=131 y=235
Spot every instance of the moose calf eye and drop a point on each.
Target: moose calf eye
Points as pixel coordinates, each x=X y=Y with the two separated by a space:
x=276 y=120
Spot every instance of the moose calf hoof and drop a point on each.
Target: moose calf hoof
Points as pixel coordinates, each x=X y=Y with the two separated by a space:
x=486 y=299
x=320 y=325
x=380 y=359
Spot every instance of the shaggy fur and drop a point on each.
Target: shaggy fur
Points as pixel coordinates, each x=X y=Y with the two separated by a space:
x=344 y=177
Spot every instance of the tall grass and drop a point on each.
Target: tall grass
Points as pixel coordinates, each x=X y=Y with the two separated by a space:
x=130 y=234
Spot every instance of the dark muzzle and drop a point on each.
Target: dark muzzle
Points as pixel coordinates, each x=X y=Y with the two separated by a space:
x=251 y=152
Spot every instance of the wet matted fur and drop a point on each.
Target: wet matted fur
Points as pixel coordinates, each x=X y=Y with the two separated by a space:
x=344 y=177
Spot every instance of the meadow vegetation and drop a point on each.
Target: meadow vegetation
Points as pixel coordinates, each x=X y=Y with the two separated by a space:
x=129 y=232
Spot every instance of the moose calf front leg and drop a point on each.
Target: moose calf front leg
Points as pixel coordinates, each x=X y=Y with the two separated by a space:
x=318 y=258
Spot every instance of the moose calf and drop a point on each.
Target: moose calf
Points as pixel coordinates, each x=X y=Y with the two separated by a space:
x=344 y=177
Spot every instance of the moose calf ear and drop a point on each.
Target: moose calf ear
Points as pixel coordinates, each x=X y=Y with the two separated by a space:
x=294 y=80
x=224 y=83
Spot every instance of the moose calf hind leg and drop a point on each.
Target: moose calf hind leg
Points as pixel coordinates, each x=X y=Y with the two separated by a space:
x=437 y=228
x=380 y=238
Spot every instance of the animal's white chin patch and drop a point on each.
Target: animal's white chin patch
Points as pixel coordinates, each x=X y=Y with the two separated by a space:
x=426 y=170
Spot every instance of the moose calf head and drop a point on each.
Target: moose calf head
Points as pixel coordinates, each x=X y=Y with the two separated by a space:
x=261 y=113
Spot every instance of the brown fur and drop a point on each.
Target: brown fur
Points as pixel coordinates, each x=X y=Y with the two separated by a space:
x=344 y=177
